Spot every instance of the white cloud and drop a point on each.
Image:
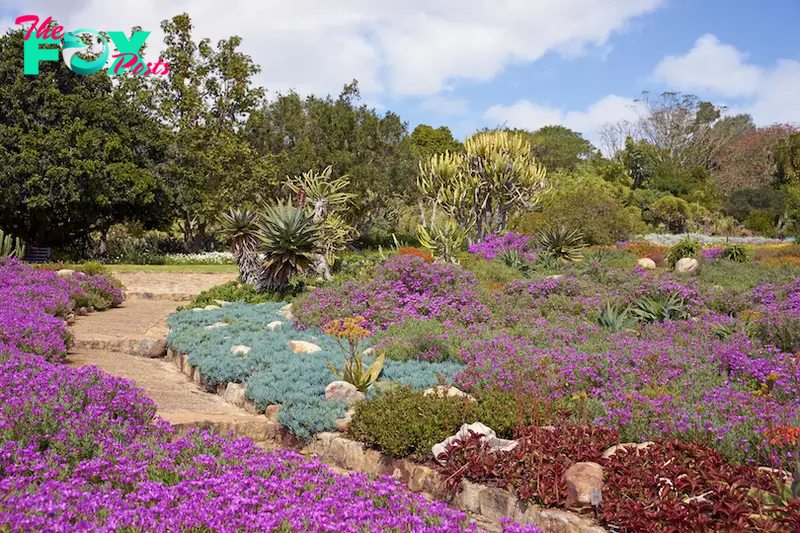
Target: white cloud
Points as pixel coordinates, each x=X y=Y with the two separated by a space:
x=396 y=47
x=532 y=116
x=444 y=106
x=712 y=68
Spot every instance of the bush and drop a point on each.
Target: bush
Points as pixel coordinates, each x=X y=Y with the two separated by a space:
x=403 y=423
x=762 y=221
x=674 y=213
x=233 y=291
x=736 y=253
x=92 y=268
x=685 y=248
x=745 y=276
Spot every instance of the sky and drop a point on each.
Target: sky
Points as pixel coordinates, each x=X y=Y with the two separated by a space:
x=467 y=64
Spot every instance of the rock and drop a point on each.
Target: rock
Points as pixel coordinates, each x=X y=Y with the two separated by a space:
x=646 y=263
x=82 y=311
x=687 y=265
x=211 y=307
x=444 y=391
x=276 y=324
x=240 y=350
x=157 y=349
x=487 y=435
x=344 y=392
x=342 y=424
x=216 y=325
x=636 y=446
x=65 y=273
x=286 y=312
x=582 y=479
x=555 y=277
x=271 y=412
x=221 y=302
x=234 y=394
x=303 y=347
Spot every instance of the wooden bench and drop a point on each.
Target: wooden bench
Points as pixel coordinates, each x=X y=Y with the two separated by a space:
x=36 y=255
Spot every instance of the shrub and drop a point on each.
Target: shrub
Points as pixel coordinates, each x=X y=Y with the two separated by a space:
x=674 y=213
x=561 y=243
x=99 y=291
x=687 y=247
x=233 y=291
x=645 y=249
x=403 y=423
x=410 y=250
x=762 y=221
x=736 y=253
x=92 y=268
x=493 y=245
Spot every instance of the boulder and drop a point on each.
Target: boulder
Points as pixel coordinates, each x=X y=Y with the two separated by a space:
x=487 y=435
x=303 y=347
x=216 y=325
x=444 y=391
x=584 y=482
x=157 y=349
x=240 y=350
x=82 y=311
x=687 y=265
x=635 y=447
x=344 y=392
x=211 y=307
x=65 y=273
x=234 y=394
x=275 y=324
x=271 y=412
x=221 y=302
x=286 y=312
x=555 y=277
x=646 y=263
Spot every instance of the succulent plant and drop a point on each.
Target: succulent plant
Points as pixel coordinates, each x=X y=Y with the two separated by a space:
x=240 y=227
x=561 y=243
x=660 y=308
x=736 y=253
x=11 y=247
x=616 y=318
x=288 y=238
x=443 y=241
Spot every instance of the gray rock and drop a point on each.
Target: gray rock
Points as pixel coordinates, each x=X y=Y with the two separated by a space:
x=65 y=273
x=211 y=307
x=445 y=391
x=240 y=350
x=582 y=480
x=216 y=325
x=344 y=392
x=687 y=265
x=157 y=349
x=275 y=324
x=303 y=347
x=343 y=424
x=636 y=446
x=286 y=312
x=646 y=263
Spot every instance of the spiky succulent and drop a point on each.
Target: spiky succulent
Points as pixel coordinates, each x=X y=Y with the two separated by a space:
x=736 y=253
x=561 y=244
x=240 y=227
x=616 y=318
x=288 y=238
x=660 y=308
x=11 y=247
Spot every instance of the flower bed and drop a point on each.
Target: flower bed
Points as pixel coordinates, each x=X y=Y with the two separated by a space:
x=82 y=451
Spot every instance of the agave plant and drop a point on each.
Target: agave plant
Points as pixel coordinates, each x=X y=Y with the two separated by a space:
x=616 y=318
x=736 y=253
x=513 y=258
x=561 y=243
x=11 y=247
x=660 y=308
x=288 y=238
x=240 y=227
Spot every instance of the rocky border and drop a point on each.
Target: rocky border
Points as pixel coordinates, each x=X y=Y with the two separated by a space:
x=334 y=448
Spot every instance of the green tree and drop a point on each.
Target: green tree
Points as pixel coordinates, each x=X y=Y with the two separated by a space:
x=205 y=99
x=77 y=155
x=674 y=213
x=560 y=148
x=426 y=141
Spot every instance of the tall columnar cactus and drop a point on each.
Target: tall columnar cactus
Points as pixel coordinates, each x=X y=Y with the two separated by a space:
x=10 y=246
x=481 y=187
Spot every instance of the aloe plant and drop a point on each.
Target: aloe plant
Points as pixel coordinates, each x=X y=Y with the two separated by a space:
x=562 y=244
x=616 y=318
x=443 y=241
x=660 y=308
x=288 y=238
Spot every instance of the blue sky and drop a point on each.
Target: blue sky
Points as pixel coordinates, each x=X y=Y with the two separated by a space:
x=473 y=63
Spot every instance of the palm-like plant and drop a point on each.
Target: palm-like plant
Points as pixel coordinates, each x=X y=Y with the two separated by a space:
x=240 y=227
x=616 y=318
x=561 y=243
x=288 y=238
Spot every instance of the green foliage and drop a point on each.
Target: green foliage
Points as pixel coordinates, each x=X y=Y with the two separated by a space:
x=744 y=201
x=288 y=238
x=616 y=318
x=561 y=244
x=355 y=373
x=404 y=423
x=10 y=246
x=513 y=258
x=674 y=213
x=660 y=308
x=427 y=141
x=416 y=339
x=560 y=148
x=443 y=240
x=489 y=274
x=736 y=253
x=480 y=188
x=91 y=268
x=273 y=373
x=762 y=221
x=745 y=276
x=233 y=291
x=686 y=247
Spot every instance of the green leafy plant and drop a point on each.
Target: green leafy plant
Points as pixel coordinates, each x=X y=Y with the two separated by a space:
x=444 y=241
x=660 y=308
x=353 y=332
x=240 y=228
x=736 y=253
x=10 y=246
x=561 y=243
x=546 y=264
x=288 y=238
x=687 y=247
x=513 y=258
x=616 y=318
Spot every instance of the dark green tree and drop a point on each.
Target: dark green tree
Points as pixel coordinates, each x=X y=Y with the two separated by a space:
x=77 y=155
x=560 y=148
x=427 y=141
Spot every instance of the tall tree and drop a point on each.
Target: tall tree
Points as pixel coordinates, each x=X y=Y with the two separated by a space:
x=427 y=141
x=560 y=148
x=77 y=155
x=749 y=163
x=205 y=99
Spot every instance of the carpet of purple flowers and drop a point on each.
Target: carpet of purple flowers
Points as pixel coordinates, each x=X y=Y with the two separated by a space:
x=83 y=451
x=726 y=374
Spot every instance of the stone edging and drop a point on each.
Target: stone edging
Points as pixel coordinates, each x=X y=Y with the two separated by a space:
x=334 y=448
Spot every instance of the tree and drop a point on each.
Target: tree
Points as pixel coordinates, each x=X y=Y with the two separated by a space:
x=426 y=141
x=560 y=148
x=205 y=99
x=786 y=155
x=674 y=213
x=77 y=156
x=749 y=162
x=480 y=188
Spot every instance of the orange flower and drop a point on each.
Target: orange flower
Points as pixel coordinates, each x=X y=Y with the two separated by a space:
x=783 y=436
